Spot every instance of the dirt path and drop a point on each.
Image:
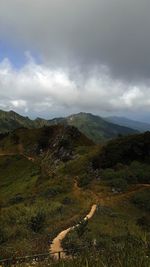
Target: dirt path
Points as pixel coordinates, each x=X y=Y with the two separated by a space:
x=56 y=244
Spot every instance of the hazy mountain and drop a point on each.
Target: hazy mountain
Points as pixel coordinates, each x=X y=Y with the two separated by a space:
x=137 y=125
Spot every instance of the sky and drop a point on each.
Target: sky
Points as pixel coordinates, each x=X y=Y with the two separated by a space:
x=59 y=57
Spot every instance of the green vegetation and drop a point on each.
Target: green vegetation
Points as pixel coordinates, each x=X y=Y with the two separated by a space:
x=33 y=207
x=124 y=150
x=125 y=256
x=35 y=194
x=142 y=200
x=50 y=177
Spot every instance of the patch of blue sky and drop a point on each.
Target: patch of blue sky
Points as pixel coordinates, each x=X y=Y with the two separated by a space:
x=16 y=54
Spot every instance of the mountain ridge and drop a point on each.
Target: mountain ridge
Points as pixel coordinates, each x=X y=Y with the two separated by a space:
x=94 y=127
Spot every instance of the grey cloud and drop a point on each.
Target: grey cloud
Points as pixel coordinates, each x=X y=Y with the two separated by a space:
x=82 y=34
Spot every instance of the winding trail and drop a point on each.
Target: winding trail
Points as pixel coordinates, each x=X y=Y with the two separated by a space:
x=56 y=243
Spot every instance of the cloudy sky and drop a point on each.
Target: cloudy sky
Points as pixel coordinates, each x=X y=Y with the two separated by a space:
x=63 y=56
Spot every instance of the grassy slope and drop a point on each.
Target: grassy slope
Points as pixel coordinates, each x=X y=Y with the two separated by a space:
x=27 y=191
x=31 y=187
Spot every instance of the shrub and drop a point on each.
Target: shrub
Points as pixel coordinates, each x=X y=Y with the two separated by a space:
x=81 y=228
x=142 y=199
x=16 y=199
x=118 y=184
x=84 y=180
x=108 y=174
x=144 y=222
x=67 y=201
x=36 y=222
x=3 y=235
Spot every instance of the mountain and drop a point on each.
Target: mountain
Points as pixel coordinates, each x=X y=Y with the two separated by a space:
x=95 y=127
x=137 y=125
x=11 y=120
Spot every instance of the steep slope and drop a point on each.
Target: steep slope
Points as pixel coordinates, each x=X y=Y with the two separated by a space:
x=96 y=128
x=137 y=125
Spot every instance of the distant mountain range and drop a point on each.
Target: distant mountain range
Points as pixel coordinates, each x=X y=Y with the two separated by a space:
x=94 y=127
x=137 y=125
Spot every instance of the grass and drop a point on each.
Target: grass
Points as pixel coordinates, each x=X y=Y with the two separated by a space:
x=125 y=257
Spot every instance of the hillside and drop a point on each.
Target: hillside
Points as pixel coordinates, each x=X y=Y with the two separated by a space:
x=94 y=127
x=137 y=125
x=34 y=142
x=49 y=180
x=33 y=188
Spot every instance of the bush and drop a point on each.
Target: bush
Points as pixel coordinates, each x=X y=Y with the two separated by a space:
x=108 y=174
x=67 y=201
x=84 y=180
x=142 y=199
x=134 y=173
x=144 y=222
x=16 y=199
x=81 y=228
x=118 y=184
x=124 y=150
x=36 y=222
x=3 y=235
x=141 y=171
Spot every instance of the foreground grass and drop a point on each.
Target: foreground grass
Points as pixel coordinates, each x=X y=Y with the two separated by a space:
x=126 y=257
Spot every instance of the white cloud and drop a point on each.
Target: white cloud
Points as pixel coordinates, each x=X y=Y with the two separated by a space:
x=36 y=89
